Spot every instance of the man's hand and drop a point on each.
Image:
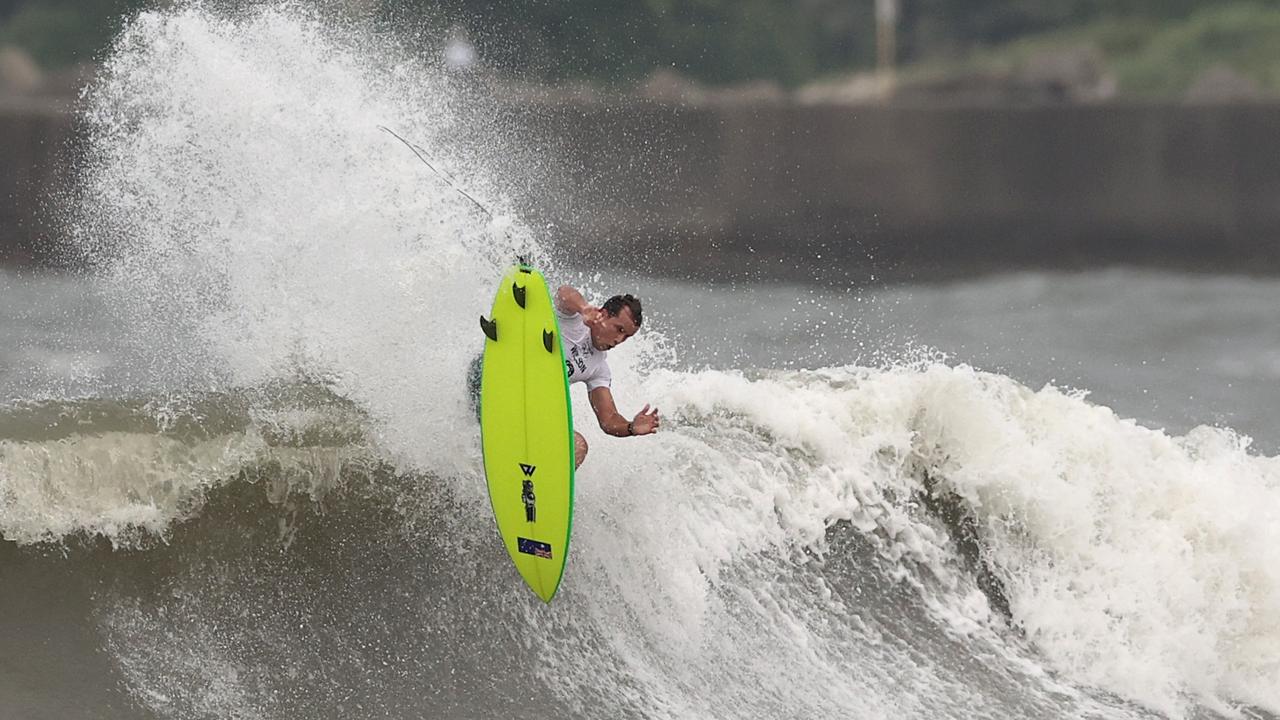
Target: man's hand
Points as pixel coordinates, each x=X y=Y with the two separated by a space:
x=570 y=302
x=645 y=422
x=591 y=315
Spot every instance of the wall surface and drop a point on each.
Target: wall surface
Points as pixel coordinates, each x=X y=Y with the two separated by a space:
x=813 y=192
x=930 y=191
x=34 y=146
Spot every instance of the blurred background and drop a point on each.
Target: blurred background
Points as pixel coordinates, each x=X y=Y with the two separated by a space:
x=906 y=139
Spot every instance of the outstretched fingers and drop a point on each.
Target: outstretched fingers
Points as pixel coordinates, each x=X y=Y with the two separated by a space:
x=646 y=421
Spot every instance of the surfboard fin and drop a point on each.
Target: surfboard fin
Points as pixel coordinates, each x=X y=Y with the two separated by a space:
x=490 y=328
x=548 y=338
x=518 y=292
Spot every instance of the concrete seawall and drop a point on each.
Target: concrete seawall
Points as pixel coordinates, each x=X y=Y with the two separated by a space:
x=34 y=147
x=928 y=192
x=802 y=192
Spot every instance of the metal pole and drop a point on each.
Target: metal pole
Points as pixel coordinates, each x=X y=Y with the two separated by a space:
x=886 y=44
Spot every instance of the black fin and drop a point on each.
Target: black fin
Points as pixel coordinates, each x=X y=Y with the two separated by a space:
x=548 y=337
x=490 y=328
x=519 y=293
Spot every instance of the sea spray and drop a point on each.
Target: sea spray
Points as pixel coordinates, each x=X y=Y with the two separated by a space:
x=1137 y=562
x=257 y=224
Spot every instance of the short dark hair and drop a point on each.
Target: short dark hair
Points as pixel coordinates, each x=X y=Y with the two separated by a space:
x=614 y=305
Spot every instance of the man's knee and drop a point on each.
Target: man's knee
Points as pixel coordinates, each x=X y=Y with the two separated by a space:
x=579 y=448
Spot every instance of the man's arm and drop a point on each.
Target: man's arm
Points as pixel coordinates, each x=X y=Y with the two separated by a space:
x=569 y=301
x=613 y=422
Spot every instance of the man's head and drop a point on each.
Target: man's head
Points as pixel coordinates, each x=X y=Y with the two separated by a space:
x=620 y=318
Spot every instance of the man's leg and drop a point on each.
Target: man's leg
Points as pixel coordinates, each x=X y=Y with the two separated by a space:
x=579 y=449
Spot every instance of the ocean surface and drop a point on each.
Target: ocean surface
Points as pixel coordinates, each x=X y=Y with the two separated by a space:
x=239 y=477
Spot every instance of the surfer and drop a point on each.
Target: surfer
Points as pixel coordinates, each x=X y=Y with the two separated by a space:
x=587 y=334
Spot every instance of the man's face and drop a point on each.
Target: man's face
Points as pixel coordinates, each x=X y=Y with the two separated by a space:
x=613 y=329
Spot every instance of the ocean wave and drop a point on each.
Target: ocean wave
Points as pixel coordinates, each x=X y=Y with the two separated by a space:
x=127 y=470
x=1137 y=562
x=1126 y=558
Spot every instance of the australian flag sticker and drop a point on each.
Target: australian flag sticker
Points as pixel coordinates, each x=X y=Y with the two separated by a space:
x=533 y=547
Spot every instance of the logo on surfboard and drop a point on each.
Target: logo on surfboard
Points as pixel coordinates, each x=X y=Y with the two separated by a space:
x=529 y=500
x=533 y=547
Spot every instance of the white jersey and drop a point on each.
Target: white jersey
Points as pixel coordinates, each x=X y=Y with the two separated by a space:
x=582 y=361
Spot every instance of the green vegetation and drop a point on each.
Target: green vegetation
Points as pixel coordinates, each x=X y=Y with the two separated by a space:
x=62 y=32
x=1151 y=47
x=718 y=41
x=1243 y=36
x=1152 y=57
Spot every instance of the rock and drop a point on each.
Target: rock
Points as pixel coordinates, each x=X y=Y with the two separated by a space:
x=986 y=88
x=18 y=72
x=68 y=81
x=1221 y=84
x=760 y=92
x=861 y=88
x=669 y=86
x=1067 y=74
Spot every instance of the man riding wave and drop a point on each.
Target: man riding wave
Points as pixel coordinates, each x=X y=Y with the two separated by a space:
x=587 y=333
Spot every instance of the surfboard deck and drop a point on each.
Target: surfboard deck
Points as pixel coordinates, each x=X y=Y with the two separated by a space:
x=526 y=429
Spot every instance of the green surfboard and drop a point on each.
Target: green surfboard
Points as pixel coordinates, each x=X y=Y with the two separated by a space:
x=526 y=429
